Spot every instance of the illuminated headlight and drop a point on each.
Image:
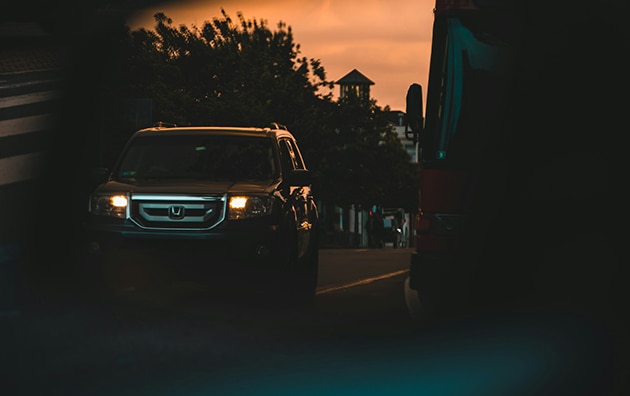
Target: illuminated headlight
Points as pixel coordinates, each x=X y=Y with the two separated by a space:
x=245 y=207
x=109 y=205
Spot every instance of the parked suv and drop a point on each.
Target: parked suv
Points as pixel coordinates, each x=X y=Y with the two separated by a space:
x=208 y=202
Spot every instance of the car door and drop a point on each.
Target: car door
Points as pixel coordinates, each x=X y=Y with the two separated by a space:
x=299 y=195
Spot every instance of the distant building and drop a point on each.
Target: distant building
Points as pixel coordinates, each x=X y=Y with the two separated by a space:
x=397 y=121
x=357 y=83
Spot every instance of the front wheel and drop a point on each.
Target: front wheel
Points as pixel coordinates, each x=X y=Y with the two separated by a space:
x=298 y=282
x=309 y=277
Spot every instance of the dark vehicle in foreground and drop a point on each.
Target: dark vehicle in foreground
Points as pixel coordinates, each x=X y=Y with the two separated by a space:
x=497 y=227
x=208 y=203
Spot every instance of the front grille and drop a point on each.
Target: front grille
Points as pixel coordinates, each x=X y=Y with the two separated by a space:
x=177 y=212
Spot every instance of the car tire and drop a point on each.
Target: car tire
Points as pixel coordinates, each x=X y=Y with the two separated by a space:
x=307 y=282
x=298 y=282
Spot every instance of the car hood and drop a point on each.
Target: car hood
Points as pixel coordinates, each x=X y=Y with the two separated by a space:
x=188 y=187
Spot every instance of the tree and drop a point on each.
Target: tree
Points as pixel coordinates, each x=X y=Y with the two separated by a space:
x=364 y=161
x=224 y=73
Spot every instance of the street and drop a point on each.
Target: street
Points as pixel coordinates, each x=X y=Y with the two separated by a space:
x=141 y=341
x=363 y=333
x=356 y=337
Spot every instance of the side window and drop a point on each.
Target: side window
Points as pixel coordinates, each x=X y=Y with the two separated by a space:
x=287 y=156
x=297 y=157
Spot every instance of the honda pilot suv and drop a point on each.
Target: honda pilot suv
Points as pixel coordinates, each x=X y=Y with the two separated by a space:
x=208 y=202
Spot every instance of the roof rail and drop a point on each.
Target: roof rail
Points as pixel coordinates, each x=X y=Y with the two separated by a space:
x=162 y=124
x=275 y=125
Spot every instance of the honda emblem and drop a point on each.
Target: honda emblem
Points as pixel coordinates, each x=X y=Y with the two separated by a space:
x=176 y=212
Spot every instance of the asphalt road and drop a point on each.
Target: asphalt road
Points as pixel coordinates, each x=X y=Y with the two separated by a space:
x=357 y=337
x=153 y=342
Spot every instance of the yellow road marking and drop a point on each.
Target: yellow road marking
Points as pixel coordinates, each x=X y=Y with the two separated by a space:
x=329 y=289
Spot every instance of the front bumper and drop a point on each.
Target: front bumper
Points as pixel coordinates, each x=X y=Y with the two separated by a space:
x=227 y=248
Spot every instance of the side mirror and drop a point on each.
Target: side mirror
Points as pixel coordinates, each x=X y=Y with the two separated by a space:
x=414 y=113
x=98 y=176
x=300 y=177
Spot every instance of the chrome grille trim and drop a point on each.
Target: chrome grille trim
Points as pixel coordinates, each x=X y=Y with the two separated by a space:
x=151 y=211
x=165 y=207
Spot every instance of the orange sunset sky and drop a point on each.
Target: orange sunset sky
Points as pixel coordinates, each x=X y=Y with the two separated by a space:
x=388 y=41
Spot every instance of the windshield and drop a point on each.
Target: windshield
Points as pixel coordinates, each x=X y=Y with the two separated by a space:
x=208 y=158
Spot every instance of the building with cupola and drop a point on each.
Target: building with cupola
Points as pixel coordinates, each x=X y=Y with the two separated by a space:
x=355 y=83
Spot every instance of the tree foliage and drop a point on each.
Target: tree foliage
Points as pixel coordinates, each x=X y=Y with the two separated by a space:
x=242 y=72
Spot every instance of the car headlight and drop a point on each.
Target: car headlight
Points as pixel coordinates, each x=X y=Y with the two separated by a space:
x=114 y=205
x=245 y=207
